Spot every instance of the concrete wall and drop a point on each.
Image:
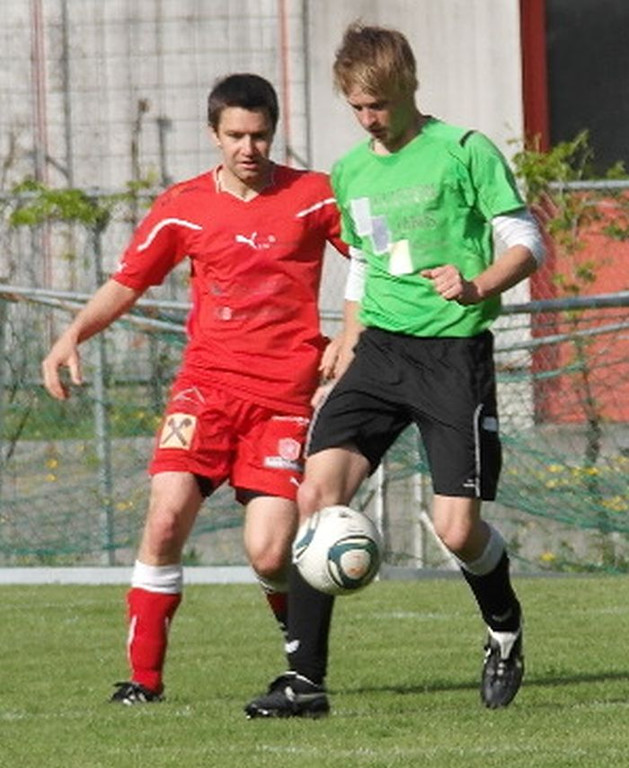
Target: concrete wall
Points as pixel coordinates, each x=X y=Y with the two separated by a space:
x=468 y=55
x=74 y=73
x=95 y=93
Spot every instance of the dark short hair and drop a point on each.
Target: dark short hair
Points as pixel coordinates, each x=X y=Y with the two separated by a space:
x=242 y=90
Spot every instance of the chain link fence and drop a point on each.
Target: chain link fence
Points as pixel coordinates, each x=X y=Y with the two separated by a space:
x=73 y=481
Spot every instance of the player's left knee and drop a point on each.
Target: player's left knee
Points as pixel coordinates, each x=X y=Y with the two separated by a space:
x=457 y=540
x=458 y=524
x=457 y=534
x=163 y=535
x=270 y=572
x=268 y=564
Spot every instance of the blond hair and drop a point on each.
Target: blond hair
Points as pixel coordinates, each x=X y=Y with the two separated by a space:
x=375 y=59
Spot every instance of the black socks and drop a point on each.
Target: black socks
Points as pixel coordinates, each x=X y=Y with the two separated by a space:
x=496 y=599
x=309 y=617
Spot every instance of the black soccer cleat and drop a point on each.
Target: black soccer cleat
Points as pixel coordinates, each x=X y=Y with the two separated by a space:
x=290 y=695
x=130 y=693
x=503 y=668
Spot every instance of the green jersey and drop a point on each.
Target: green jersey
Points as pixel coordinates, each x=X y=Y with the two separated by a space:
x=429 y=204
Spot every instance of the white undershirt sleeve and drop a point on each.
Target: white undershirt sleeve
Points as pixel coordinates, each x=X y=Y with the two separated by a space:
x=355 y=285
x=519 y=228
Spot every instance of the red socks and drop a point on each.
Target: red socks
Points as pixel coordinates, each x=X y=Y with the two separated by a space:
x=150 y=614
x=278 y=601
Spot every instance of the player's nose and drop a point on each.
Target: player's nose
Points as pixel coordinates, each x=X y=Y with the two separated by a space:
x=248 y=145
x=368 y=119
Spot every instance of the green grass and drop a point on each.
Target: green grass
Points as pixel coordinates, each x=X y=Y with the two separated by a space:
x=403 y=681
x=34 y=415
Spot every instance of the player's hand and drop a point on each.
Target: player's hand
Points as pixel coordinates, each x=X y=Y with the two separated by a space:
x=329 y=358
x=451 y=285
x=335 y=361
x=63 y=354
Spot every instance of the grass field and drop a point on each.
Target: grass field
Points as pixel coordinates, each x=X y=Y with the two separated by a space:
x=403 y=680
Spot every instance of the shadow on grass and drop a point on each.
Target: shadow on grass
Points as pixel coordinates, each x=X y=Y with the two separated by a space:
x=550 y=681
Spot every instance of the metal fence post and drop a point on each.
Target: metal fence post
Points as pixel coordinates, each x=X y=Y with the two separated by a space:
x=3 y=325
x=102 y=424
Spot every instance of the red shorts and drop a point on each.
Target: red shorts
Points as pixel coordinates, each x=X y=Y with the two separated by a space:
x=215 y=435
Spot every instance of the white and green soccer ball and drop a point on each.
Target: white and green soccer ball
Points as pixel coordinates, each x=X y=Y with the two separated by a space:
x=338 y=550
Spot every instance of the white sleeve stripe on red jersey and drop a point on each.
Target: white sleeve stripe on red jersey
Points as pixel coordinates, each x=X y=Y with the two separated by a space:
x=316 y=207
x=165 y=223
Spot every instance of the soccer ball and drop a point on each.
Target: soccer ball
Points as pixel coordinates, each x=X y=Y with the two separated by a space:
x=338 y=550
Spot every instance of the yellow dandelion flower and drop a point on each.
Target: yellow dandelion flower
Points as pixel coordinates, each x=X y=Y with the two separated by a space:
x=616 y=504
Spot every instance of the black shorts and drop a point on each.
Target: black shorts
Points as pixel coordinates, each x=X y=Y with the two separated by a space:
x=444 y=385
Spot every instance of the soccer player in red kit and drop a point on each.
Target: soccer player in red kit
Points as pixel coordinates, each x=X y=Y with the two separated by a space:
x=254 y=233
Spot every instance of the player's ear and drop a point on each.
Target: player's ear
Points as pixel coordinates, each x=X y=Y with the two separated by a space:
x=214 y=136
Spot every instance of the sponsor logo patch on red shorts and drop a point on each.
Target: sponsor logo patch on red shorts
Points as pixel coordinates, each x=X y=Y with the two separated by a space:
x=178 y=431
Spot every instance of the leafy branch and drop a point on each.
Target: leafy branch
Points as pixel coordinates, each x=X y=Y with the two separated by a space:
x=38 y=203
x=560 y=190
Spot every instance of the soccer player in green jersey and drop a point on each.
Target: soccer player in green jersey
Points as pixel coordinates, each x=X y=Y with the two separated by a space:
x=422 y=204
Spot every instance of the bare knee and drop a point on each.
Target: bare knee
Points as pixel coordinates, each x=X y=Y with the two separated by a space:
x=459 y=526
x=162 y=536
x=268 y=562
x=270 y=526
x=174 y=503
x=453 y=535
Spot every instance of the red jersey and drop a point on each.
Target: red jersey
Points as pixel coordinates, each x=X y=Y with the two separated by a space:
x=255 y=272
